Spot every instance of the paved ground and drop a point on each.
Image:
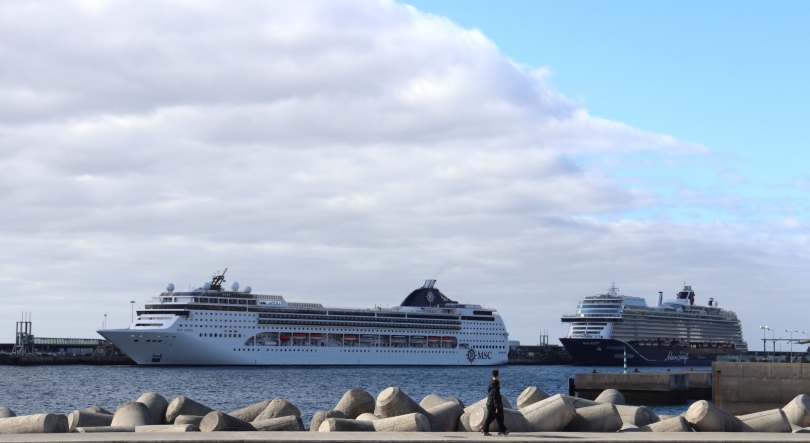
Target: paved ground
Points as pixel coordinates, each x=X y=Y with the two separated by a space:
x=406 y=437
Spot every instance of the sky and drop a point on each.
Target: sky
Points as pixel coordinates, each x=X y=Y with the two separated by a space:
x=524 y=155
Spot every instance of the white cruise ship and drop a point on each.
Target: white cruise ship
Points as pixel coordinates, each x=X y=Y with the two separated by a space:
x=214 y=326
x=676 y=332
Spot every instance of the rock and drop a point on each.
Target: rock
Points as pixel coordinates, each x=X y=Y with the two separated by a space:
x=184 y=406
x=446 y=416
x=219 y=421
x=415 y=422
x=512 y=418
x=601 y=418
x=166 y=428
x=34 y=424
x=82 y=419
x=798 y=411
x=157 y=406
x=249 y=413
x=530 y=396
x=278 y=407
x=773 y=420
x=133 y=414
x=288 y=423
x=611 y=396
x=549 y=415
x=345 y=425
x=320 y=416
x=355 y=402
x=706 y=417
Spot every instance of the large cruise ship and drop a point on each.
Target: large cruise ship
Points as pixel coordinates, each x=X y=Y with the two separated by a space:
x=213 y=326
x=676 y=332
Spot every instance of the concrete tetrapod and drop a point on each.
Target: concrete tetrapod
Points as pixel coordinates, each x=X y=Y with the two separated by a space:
x=773 y=420
x=464 y=420
x=432 y=400
x=611 y=396
x=601 y=418
x=455 y=400
x=132 y=413
x=167 y=428
x=798 y=411
x=578 y=402
x=637 y=415
x=278 y=407
x=188 y=420
x=6 y=412
x=82 y=419
x=512 y=418
x=706 y=417
x=219 y=421
x=367 y=416
x=483 y=402
x=34 y=424
x=157 y=406
x=549 y=415
x=530 y=396
x=415 y=422
x=393 y=402
x=674 y=424
x=446 y=416
x=97 y=410
x=250 y=412
x=185 y=406
x=320 y=416
x=355 y=402
x=288 y=423
x=345 y=425
x=96 y=429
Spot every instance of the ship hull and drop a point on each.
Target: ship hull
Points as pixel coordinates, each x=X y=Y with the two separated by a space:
x=610 y=352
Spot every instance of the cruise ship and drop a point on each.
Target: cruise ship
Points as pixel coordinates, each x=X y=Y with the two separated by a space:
x=214 y=326
x=676 y=332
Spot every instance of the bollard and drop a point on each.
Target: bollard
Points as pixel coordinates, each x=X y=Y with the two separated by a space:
x=97 y=429
x=34 y=424
x=798 y=411
x=637 y=415
x=705 y=417
x=166 y=428
x=512 y=418
x=83 y=419
x=320 y=416
x=355 y=402
x=184 y=406
x=446 y=416
x=216 y=421
x=97 y=410
x=157 y=406
x=367 y=416
x=601 y=418
x=432 y=400
x=132 y=413
x=530 y=396
x=278 y=407
x=393 y=402
x=345 y=425
x=415 y=422
x=250 y=412
x=6 y=412
x=549 y=415
x=611 y=396
x=773 y=420
x=288 y=423
x=674 y=424
x=188 y=420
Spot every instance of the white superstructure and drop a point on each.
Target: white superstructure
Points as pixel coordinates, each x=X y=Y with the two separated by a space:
x=212 y=326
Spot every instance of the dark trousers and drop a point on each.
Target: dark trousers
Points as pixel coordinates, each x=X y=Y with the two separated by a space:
x=491 y=415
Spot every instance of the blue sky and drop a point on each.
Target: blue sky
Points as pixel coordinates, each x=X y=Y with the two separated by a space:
x=731 y=76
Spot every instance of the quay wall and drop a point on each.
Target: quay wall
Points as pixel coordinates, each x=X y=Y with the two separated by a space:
x=747 y=387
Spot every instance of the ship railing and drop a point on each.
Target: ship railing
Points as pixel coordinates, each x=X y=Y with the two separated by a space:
x=592 y=316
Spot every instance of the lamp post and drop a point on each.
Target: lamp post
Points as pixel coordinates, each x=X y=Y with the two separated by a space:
x=791 y=343
x=105 y=321
x=764 y=328
x=132 y=310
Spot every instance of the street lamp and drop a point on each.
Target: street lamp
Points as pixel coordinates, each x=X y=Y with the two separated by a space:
x=132 y=310
x=791 y=343
x=105 y=321
x=764 y=328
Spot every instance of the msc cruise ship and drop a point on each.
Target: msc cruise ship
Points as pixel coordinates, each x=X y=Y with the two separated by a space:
x=213 y=326
x=676 y=332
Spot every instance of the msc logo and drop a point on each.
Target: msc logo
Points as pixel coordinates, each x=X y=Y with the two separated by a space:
x=481 y=355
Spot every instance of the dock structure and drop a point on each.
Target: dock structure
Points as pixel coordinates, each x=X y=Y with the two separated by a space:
x=746 y=387
x=646 y=388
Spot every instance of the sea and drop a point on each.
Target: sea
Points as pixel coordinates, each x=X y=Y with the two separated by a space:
x=62 y=389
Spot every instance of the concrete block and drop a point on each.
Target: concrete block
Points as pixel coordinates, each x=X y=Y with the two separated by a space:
x=219 y=421
x=611 y=396
x=278 y=407
x=432 y=400
x=799 y=430
x=455 y=400
x=483 y=402
x=157 y=406
x=628 y=427
x=132 y=413
x=184 y=406
x=446 y=416
x=512 y=418
x=529 y=396
x=166 y=428
x=319 y=417
x=97 y=410
x=578 y=402
x=97 y=429
x=729 y=369
x=6 y=412
x=367 y=416
x=773 y=420
x=415 y=422
x=601 y=418
x=81 y=419
x=34 y=424
x=355 y=402
x=549 y=415
x=250 y=412
x=663 y=417
x=674 y=424
x=346 y=425
x=798 y=410
x=464 y=422
x=188 y=420
x=287 y=424
x=637 y=415
x=393 y=402
x=705 y=417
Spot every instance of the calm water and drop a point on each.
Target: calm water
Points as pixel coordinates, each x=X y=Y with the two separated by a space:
x=61 y=389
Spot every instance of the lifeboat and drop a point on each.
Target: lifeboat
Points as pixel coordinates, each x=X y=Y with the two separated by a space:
x=316 y=336
x=447 y=339
x=284 y=336
x=433 y=339
x=299 y=335
x=349 y=337
x=398 y=339
x=368 y=337
x=417 y=339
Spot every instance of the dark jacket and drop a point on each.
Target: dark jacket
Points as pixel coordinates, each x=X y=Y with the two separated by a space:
x=494 y=395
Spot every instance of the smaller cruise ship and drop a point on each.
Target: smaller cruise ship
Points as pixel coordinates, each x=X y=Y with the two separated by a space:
x=676 y=332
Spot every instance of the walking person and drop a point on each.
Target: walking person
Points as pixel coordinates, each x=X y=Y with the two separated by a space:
x=494 y=406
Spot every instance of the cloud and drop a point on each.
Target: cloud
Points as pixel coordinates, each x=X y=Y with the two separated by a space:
x=336 y=152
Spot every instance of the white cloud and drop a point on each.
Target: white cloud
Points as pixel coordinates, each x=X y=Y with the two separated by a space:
x=332 y=151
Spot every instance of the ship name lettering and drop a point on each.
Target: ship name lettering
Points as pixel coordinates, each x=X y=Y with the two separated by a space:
x=682 y=356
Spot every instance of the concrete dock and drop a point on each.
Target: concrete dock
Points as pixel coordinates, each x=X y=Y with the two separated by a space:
x=405 y=437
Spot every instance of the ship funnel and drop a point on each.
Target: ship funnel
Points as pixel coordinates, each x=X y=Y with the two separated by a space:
x=429 y=283
x=660 y=298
